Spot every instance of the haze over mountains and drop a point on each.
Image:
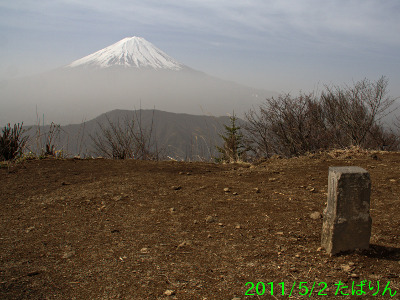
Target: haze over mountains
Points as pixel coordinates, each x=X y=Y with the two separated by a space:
x=129 y=74
x=177 y=136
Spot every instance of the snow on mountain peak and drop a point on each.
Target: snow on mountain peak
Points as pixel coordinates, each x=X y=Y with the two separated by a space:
x=131 y=52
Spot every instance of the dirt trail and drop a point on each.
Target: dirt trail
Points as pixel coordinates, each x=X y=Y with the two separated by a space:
x=100 y=229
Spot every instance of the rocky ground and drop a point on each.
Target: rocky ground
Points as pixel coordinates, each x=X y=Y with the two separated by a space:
x=101 y=229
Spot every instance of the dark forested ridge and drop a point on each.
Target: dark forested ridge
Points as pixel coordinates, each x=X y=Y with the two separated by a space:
x=180 y=136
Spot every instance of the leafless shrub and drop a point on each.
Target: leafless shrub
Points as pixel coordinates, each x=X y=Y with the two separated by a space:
x=50 y=138
x=129 y=139
x=383 y=138
x=339 y=118
x=80 y=139
x=200 y=149
x=287 y=126
x=353 y=112
x=43 y=142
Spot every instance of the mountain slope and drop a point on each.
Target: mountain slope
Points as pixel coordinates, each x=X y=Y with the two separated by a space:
x=181 y=136
x=133 y=52
x=130 y=74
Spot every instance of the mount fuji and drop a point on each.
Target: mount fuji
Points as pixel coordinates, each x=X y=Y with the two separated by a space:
x=133 y=52
x=130 y=74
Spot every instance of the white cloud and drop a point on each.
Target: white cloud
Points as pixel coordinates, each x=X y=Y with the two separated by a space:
x=318 y=21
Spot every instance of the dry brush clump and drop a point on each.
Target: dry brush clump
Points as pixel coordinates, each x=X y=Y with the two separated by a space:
x=340 y=117
x=347 y=153
x=43 y=142
x=12 y=142
x=129 y=139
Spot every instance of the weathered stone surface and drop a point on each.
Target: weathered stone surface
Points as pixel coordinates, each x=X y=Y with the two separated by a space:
x=347 y=222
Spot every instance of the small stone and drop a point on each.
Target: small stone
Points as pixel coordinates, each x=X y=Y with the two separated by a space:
x=172 y=209
x=210 y=219
x=220 y=224
x=319 y=249
x=176 y=188
x=346 y=268
x=209 y=236
x=33 y=273
x=183 y=244
x=237 y=226
x=272 y=179
x=315 y=215
x=375 y=277
x=181 y=173
x=169 y=293
x=279 y=233
x=227 y=190
x=29 y=229
x=235 y=193
x=68 y=254
x=195 y=222
x=257 y=190
x=297 y=256
x=144 y=250
x=353 y=275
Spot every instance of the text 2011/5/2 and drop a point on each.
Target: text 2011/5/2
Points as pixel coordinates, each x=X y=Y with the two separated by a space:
x=304 y=288
x=260 y=288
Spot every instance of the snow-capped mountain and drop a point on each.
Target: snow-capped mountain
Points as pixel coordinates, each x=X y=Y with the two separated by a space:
x=129 y=74
x=131 y=52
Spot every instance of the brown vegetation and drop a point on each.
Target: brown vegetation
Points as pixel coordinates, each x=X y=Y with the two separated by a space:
x=338 y=118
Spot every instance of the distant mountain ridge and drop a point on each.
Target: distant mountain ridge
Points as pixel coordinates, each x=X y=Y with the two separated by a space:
x=181 y=136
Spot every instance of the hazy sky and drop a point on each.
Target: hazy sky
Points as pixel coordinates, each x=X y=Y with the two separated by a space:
x=281 y=45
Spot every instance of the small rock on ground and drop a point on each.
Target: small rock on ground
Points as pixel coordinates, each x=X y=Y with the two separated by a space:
x=210 y=219
x=315 y=215
x=169 y=292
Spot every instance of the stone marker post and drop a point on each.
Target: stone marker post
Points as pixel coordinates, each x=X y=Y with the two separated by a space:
x=347 y=222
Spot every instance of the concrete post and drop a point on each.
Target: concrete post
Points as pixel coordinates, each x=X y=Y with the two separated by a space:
x=347 y=222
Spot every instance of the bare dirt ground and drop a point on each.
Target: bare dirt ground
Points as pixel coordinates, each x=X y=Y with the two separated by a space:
x=101 y=229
